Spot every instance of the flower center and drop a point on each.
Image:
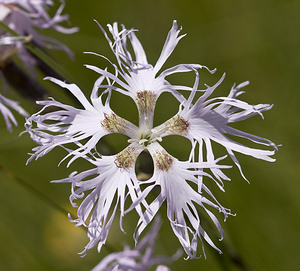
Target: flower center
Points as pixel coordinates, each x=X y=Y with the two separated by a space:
x=145 y=137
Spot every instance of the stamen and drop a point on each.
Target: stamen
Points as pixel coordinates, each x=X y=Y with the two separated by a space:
x=177 y=125
x=113 y=123
x=142 y=141
x=126 y=158
x=163 y=160
x=145 y=101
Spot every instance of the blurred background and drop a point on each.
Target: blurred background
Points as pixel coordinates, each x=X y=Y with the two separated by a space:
x=256 y=40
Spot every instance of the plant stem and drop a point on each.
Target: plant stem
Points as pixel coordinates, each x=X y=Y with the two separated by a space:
x=46 y=199
x=33 y=190
x=40 y=54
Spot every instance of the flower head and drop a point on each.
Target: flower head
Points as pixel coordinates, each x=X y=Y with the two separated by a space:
x=180 y=184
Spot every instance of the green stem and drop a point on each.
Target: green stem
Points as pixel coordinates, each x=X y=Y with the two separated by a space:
x=33 y=190
x=230 y=255
x=40 y=54
x=46 y=199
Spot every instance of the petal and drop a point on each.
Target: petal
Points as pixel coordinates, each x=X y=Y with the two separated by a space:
x=170 y=44
x=173 y=177
x=72 y=125
x=141 y=58
x=103 y=190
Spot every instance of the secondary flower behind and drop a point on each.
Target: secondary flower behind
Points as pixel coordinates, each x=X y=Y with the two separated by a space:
x=8 y=116
x=24 y=17
x=140 y=258
x=112 y=181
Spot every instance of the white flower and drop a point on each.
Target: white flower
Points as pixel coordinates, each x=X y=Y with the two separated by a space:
x=140 y=258
x=181 y=183
x=8 y=116
x=116 y=174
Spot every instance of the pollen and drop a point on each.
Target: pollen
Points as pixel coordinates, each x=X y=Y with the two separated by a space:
x=113 y=123
x=163 y=160
x=126 y=158
x=145 y=101
x=178 y=125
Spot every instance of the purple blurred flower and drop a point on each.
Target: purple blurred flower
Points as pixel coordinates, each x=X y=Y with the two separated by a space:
x=7 y=114
x=24 y=17
x=140 y=258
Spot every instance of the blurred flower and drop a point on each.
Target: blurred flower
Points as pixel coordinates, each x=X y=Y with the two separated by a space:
x=8 y=116
x=140 y=258
x=180 y=183
x=23 y=16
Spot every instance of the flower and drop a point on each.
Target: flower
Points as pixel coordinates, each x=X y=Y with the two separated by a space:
x=23 y=16
x=8 y=116
x=180 y=184
x=134 y=259
x=115 y=175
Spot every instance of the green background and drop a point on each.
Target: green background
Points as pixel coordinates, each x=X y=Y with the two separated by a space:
x=254 y=40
